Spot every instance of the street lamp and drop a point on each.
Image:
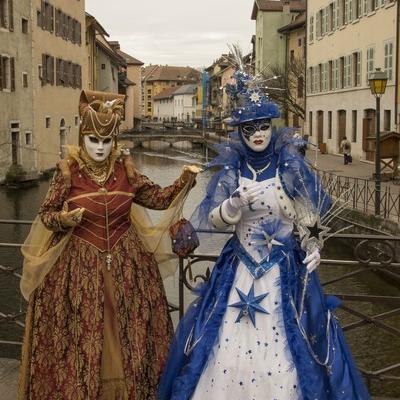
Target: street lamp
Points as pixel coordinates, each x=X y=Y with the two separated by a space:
x=377 y=82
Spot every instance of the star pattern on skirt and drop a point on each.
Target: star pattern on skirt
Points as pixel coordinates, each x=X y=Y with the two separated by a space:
x=249 y=305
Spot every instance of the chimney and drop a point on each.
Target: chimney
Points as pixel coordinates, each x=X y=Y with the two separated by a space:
x=115 y=45
x=286 y=7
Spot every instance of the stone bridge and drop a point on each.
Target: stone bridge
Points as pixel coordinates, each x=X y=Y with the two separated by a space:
x=193 y=136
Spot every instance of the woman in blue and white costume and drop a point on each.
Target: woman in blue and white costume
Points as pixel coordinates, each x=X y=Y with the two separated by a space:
x=261 y=328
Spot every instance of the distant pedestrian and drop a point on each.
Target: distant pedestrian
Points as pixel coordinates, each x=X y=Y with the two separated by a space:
x=345 y=145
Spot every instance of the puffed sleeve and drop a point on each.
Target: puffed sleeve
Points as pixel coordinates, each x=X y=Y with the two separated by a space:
x=150 y=195
x=49 y=211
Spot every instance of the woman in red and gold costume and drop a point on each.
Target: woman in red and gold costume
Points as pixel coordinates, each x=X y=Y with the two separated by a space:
x=97 y=324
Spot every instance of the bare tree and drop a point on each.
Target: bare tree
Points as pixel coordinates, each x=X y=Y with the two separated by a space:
x=286 y=86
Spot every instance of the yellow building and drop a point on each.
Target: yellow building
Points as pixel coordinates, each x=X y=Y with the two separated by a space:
x=157 y=78
x=59 y=73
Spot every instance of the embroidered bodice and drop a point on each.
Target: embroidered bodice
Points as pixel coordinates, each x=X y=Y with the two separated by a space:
x=264 y=210
x=107 y=208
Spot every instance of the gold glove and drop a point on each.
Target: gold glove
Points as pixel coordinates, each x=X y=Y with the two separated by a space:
x=69 y=219
x=189 y=172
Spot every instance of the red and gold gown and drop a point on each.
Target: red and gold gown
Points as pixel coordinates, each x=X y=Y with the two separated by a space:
x=98 y=326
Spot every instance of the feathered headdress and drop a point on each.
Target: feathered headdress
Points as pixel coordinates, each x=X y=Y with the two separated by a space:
x=248 y=95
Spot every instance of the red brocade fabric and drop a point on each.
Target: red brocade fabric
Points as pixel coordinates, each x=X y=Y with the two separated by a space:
x=107 y=209
x=65 y=324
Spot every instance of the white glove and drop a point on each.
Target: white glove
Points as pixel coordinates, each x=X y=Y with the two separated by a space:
x=312 y=260
x=243 y=196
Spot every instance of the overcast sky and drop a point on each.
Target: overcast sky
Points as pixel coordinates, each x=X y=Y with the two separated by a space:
x=176 y=32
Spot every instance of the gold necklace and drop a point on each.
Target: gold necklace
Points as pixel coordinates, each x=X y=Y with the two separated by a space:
x=97 y=171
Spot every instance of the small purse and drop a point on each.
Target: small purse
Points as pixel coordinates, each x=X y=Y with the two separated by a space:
x=184 y=238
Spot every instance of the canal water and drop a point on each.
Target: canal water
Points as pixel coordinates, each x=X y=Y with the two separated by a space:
x=372 y=348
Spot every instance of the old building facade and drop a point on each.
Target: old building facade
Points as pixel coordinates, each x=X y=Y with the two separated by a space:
x=17 y=144
x=344 y=47
x=132 y=73
x=270 y=15
x=59 y=71
x=157 y=78
x=295 y=71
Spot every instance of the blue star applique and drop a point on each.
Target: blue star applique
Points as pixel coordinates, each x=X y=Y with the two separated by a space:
x=249 y=305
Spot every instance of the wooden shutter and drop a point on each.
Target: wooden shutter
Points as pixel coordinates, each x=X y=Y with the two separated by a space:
x=57 y=71
x=70 y=28
x=57 y=28
x=10 y=15
x=62 y=73
x=12 y=73
x=70 y=75
x=51 y=18
x=43 y=15
x=1 y=73
x=44 y=69
x=79 y=77
x=79 y=33
x=65 y=26
x=51 y=70
x=65 y=73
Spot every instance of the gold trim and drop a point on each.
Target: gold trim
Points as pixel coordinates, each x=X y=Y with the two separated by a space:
x=95 y=194
x=119 y=207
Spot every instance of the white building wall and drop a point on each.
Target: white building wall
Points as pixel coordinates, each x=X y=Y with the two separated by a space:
x=184 y=106
x=164 y=109
x=372 y=29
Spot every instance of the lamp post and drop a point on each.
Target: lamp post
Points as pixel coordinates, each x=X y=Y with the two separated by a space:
x=377 y=82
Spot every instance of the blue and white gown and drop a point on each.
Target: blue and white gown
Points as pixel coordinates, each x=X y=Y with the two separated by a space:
x=248 y=362
x=296 y=350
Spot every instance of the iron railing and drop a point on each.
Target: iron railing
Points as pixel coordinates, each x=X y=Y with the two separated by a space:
x=372 y=253
x=377 y=254
x=359 y=194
